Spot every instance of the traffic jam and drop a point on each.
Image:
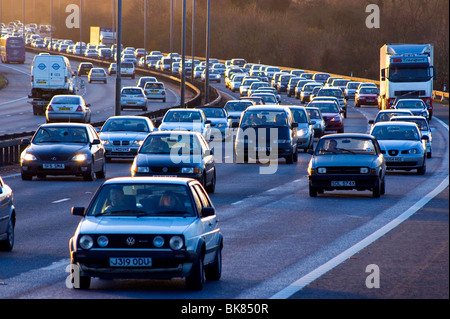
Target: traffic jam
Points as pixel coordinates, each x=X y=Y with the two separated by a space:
x=159 y=221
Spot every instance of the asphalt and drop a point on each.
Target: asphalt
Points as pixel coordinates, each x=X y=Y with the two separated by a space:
x=412 y=261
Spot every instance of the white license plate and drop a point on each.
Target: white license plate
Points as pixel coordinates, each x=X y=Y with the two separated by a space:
x=130 y=262
x=263 y=148
x=53 y=166
x=165 y=176
x=393 y=159
x=120 y=149
x=343 y=183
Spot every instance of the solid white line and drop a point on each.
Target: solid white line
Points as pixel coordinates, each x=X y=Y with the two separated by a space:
x=319 y=271
x=302 y=282
x=60 y=200
x=16 y=100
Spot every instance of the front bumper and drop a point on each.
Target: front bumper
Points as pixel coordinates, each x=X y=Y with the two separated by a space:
x=70 y=168
x=362 y=181
x=165 y=264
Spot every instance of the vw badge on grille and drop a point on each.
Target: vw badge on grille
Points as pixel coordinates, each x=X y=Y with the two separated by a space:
x=130 y=241
x=165 y=169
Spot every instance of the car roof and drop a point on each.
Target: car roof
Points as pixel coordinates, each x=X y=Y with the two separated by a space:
x=149 y=179
x=402 y=123
x=268 y=107
x=341 y=135
x=66 y=124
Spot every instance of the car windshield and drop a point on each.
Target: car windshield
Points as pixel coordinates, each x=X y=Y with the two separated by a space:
x=60 y=135
x=395 y=132
x=314 y=114
x=352 y=85
x=346 y=145
x=154 y=85
x=133 y=125
x=368 y=90
x=214 y=112
x=326 y=107
x=237 y=106
x=183 y=116
x=299 y=116
x=131 y=91
x=410 y=105
x=66 y=100
x=171 y=144
x=333 y=93
x=142 y=199
x=386 y=116
x=264 y=118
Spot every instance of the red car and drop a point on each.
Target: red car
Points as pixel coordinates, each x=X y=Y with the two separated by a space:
x=331 y=113
x=366 y=96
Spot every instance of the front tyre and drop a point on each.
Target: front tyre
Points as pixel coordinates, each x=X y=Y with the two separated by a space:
x=196 y=280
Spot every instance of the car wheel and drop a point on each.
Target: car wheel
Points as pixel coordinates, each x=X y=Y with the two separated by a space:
x=90 y=175
x=429 y=154
x=376 y=191
x=196 y=279
x=423 y=169
x=383 y=187
x=290 y=159
x=214 y=271
x=341 y=130
x=8 y=243
x=312 y=191
x=102 y=173
x=212 y=187
x=78 y=281
x=26 y=177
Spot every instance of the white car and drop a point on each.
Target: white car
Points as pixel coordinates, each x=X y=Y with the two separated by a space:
x=155 y=91
x=7 y=217
x=133 y=97
x=147 y=227
x=68 y=108
x=402 y=145
x=424 y=128
x=183 y=119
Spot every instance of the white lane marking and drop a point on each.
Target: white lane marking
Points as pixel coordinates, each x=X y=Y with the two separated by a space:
x=302 y=282
x=60 y=200
x=16 y=100
x=57 y=264
x=324 y=268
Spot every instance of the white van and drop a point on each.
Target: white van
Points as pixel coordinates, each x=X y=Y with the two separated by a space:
x=51 y=75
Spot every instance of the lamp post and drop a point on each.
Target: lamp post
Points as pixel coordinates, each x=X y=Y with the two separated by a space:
x=207 y=54
x=193 y=40
x=118 y=50
x=183 y=57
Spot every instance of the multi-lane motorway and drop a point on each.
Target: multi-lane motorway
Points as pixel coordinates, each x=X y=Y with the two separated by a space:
x=276 y=238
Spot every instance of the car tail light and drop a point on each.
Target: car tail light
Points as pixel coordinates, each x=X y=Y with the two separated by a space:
x=49 y=107
x=140 y=95
x=123 y=95
x=79 y=109
x=163 y=93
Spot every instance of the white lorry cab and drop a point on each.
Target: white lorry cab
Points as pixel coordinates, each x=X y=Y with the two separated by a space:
x=51 y=75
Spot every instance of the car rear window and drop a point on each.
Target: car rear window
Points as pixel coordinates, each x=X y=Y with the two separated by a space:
x=127 y=65
x=66 y=100
x=131 y=91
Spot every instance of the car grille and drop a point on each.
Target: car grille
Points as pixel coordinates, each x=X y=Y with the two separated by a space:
x=121 y=143
x=343 y=170
x=134 y=241
x=163 y=169
x=401 y=164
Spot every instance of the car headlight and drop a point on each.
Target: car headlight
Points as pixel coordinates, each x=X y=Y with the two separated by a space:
x=102 y=241
x=302 y=132
x=28 y=157
x=413 y=151
x=80 y=158
x=322 y=170
x=137 y=143
x=176 y=242
x=364 y=170
x=158 y=241
x=105 y=142
x=143 y=169
x=86 y=242
x=187 y=170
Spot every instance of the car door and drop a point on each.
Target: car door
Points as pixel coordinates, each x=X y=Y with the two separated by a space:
x=97 y=150
x=4 y=205
x=209 y=226
x=208 y=159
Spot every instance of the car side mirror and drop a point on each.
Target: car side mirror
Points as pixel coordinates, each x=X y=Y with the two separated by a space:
x=25 y=141
x=96 y=142
x=294 y=124
x=426 y=138
x=310 y=151
x=78 y=211
x=208 y=211
x=88 y=105
x=370 y=121
x=312 y=122
x=208 y=122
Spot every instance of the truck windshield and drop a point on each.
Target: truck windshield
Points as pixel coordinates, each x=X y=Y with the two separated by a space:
x=409 y=74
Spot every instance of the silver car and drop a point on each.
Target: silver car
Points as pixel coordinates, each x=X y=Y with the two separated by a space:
x=97 y=74
x=7 y=217
x=319 y=123
x=305 y=129
x=147 y=227
x=122 y=135
x=402 y=145
x=133 y=97
x=424 y=128
x=68 y=108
